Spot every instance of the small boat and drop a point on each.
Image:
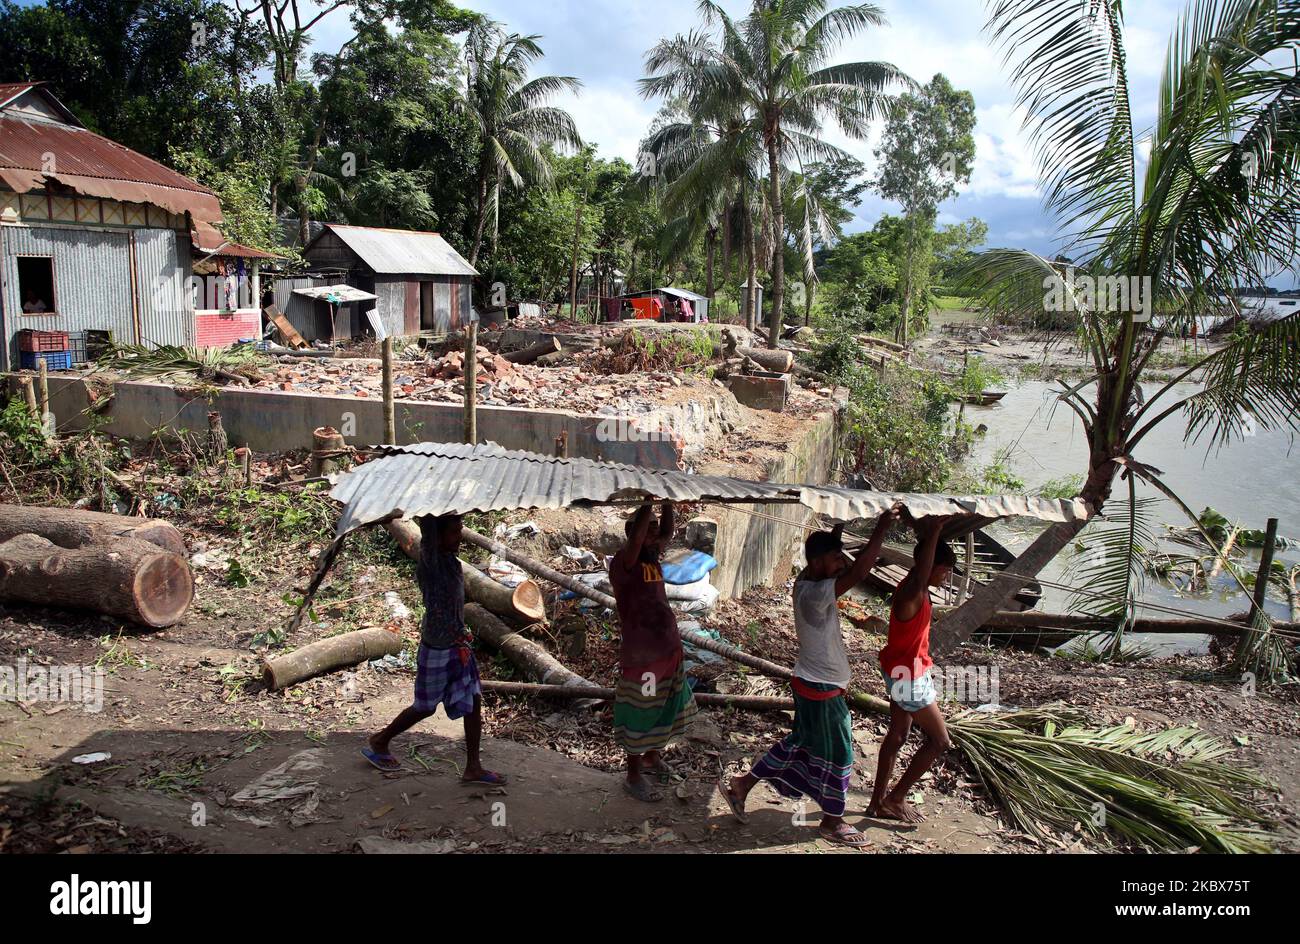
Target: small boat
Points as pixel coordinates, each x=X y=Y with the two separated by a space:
x=987 y=398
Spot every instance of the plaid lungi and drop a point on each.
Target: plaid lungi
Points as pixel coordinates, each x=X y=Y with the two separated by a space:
x=816 y=759
x=448 y=677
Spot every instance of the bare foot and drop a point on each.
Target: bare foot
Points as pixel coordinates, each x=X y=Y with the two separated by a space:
x=845 y=835
x=891 y=808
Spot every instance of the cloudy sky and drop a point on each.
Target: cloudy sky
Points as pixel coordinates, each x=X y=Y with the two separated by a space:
x=603 y=42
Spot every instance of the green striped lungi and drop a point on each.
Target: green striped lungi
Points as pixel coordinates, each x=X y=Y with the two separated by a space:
x=647 y=722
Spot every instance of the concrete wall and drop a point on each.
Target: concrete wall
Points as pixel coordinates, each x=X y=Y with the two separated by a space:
x=272 y=421
x=753 y=551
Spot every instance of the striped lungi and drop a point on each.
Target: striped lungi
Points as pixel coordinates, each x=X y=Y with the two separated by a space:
x=648 y=716
x=816 y=759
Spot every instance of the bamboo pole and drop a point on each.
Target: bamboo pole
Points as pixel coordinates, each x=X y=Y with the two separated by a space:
x=29 y=395
x=1221 y=557
x=1032 y=620
x=471 y=383
x=709 y=699
x=390 y=421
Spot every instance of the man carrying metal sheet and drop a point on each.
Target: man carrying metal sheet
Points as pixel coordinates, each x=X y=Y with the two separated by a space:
x=652 y=703
x=816 y=759
x=446 y=671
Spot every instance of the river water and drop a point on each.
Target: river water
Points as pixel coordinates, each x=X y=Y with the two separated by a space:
x=1247 y=481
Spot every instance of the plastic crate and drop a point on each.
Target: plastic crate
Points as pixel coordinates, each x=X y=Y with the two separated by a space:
x=31 y=340
x=77 y=346
x=54 y=360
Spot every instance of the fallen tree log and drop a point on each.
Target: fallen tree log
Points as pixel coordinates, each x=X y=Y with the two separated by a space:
x=127 y=577
x=536 y=662
x=326 y=655
x=1031 y=620
x=529 y=354
x=523 y=603
x=73 y=527
x=557 y=357
x=775 y=360
x=709 y=699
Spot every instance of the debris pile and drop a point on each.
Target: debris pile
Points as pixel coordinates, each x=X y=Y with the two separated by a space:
x=491 y=367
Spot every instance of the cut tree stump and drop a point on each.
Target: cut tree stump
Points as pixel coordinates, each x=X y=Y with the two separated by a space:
x=327 y=451
x=127 y=577
x=73 y=527
x=326 y=655
x=533 y=351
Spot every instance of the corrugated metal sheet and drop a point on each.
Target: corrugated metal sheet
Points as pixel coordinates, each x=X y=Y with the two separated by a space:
x=402 y=252
x=92 y=281
x=163 y=265
x=303 y=313
x=456 y=478
x=32 y=151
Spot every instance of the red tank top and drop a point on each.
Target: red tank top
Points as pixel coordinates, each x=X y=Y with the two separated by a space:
x=909 y=644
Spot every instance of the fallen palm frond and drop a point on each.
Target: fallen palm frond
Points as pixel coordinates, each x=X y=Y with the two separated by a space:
x=1163 y=790
x=169 y=361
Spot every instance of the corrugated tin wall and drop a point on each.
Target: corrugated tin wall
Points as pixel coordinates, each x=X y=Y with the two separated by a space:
x=303 y=313
x=163 y=266
x=92 y=282
x=391 y=304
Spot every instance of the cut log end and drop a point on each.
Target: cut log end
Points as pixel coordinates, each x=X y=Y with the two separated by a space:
x=527 y=600
x=163 y=590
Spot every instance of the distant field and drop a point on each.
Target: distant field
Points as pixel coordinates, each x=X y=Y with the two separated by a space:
x=953 y=303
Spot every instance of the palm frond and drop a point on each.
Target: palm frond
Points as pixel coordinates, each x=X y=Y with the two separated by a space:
x=1164 y=791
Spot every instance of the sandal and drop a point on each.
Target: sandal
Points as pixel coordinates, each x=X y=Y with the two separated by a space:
x=385 y=762
x=642 y=790
x=737 y=809
x=489 y=777
x=845 y=835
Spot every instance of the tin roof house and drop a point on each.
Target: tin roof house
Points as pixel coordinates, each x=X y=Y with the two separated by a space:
x=94 y=237
x=420 y=284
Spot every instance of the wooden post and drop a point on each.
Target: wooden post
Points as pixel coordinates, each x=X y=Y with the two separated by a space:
x=969 y=568
x=244 y=462
x=390 y=421
x=29 y=394
x=43 y=390
x=471 y=383
x=218 y=443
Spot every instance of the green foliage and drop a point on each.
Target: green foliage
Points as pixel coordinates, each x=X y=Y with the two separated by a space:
x=899 y=433
x=1067 y=486
x=977 y=376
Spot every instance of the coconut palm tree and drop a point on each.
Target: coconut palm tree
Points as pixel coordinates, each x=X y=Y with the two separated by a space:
x=771 y=69
x=514 y=122
x=1216 y=206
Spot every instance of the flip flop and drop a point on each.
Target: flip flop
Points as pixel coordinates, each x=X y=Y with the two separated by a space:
x=489 y=777
x=737 y=810
x=845 y=835
x=385 y=762
x=643 y=791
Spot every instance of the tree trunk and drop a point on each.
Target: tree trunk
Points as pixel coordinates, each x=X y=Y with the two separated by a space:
x=536 y=662
x=710 y=238
x=531 y=353
x=778 y=241
x=778 y=361
x=326 y=655
x=72 y=527
x=958 y=626
x=127 y=577
x=751 y=255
